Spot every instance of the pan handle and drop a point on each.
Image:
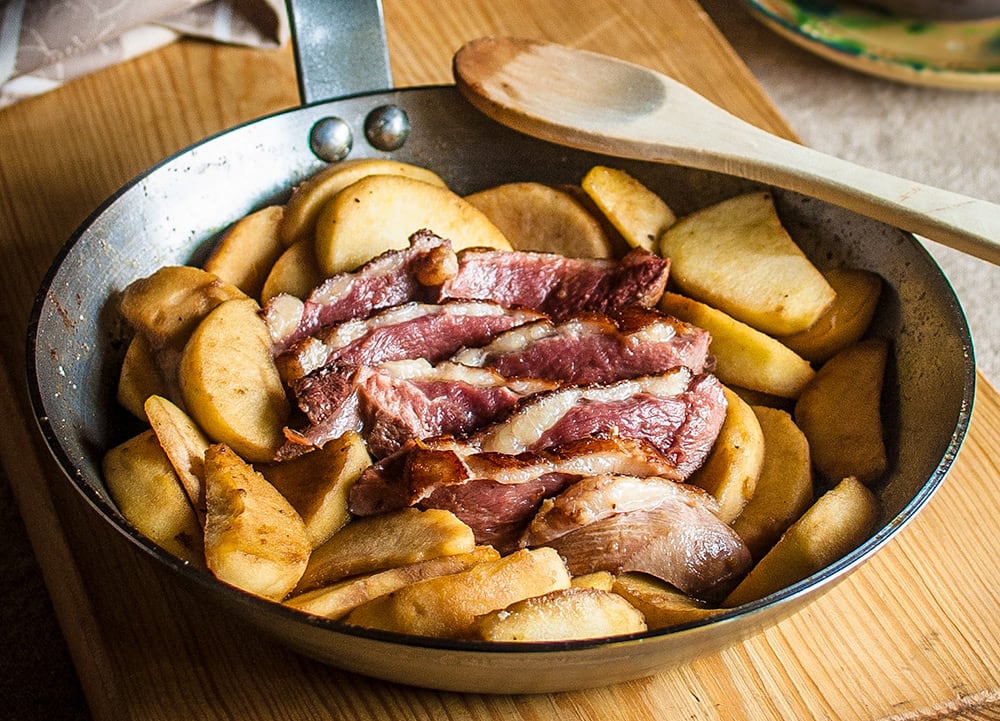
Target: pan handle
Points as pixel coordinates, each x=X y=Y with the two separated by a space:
x=340 y=48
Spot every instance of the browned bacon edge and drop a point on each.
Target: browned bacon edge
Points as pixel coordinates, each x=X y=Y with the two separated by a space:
x=495 y=493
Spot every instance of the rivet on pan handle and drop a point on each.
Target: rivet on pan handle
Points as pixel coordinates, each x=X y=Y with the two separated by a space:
x=340 y=48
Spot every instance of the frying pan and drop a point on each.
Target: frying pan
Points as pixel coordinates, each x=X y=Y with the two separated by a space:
x=174 y=212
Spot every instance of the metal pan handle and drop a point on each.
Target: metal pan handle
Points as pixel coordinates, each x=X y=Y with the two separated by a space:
x=340 y=48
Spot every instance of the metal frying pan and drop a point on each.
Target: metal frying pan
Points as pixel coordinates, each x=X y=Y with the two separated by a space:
x=172 y=214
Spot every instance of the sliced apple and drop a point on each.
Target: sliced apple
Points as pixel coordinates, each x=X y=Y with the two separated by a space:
x=639 y=214
x=784 y=487
x=308 y=197
x=846 y=321
x=745 y=357
x=147 y=491
x=246 y=252
x=837 y=523
x=737 y=256
x=230 y=384
x=731 y=470
x=317 y=483
x=538 y=217
x=381 y=212
x=840 y=413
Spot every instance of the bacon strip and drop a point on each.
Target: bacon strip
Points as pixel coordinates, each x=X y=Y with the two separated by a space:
x=594 y=348
x=558 y=286
x=395 y=277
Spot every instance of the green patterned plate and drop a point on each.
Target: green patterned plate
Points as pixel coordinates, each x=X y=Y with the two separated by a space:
x=952 y=54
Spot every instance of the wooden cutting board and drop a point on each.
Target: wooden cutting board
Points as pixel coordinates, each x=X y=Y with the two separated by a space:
x=913 y=634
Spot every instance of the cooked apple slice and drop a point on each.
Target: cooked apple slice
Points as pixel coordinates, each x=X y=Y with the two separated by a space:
x=745 y=357
x=254 y=539
x=308 y=198
x=840 y=413
x=639 y=214
x=784 y=487
x=447 y=606
x=564 y=615
x=246 y=252
x=317 y=483
x=339 y=599
x=538 y=217
x=295 y=272
x=731 y=470
x=737 y=256
x=837 y=523
x=375 y=543
x=846 y=321
x=381 y=212
x=144 y=486
x=184 y=444
x=661 y=604
x=140 y=377
x=230 y=384
x=167 y=306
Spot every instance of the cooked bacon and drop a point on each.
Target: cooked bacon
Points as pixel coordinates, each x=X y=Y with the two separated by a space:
x=495 y=493
x=558 y=286
x=677 y=412
x=395 y=277
x=402 y=400
x=412 y=330
x=412 y=399
x=594 y=348
x=652 y=525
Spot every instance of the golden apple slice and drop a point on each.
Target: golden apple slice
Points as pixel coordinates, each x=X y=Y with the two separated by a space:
x=308 y=198
x=381 y=212
x=140 y=377
x=184 y=444
x=661 y=604
x=785 y=486
x=295 y=272
x=840 y=413
x=339 y=599
x=745 y=357
x=563 y=615
x=246 y=252
x=639 y=214
x=375 y=543
x=538 y=217
x=144 y=486
x=731 y=470
x=230 y=384
x=447 y=606
x=737 y=256
x=846 y=321
x=837 y=523
x=254 y=539
x=317 y=483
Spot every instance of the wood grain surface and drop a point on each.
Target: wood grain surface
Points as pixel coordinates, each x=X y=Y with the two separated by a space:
x=913 y=634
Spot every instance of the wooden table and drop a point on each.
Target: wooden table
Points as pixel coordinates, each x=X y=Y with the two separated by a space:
x=913 y=634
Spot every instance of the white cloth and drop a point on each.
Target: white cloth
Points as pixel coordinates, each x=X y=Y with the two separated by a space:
x=45 y=43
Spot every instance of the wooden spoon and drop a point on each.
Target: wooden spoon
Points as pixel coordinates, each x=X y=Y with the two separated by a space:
x=594 y=102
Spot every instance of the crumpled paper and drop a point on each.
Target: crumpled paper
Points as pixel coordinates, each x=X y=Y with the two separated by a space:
x=45 y=43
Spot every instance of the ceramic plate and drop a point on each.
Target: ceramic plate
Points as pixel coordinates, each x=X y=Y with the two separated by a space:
x=945 y=54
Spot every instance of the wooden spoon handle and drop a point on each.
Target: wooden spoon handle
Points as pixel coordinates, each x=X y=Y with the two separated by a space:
x=594 y=102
